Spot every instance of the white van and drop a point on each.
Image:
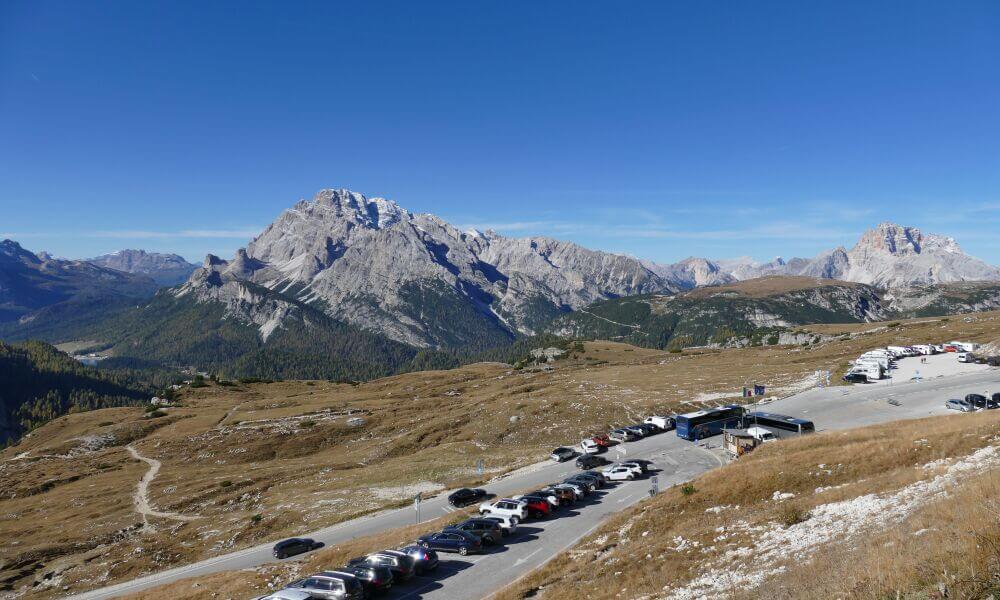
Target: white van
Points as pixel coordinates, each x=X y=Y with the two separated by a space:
x=761 y=435
x=664 y=423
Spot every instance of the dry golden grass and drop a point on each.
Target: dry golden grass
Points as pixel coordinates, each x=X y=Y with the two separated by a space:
x=664 y=542
x=230 y=453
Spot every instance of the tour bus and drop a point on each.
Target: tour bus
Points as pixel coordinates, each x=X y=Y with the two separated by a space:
x=705 y=423
x=781 y=425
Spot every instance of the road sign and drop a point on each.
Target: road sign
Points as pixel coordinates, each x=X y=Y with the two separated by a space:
x=654 y=485
x=480 y=466
x=416 y=505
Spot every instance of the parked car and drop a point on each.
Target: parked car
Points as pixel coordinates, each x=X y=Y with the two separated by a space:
x=950 y=348
x=855 y=377
x=424 y=559
x=565 y=495
x=623 y=435
x=374 y=580
x=548 y=495
x=619 y=473
x=403 y=567
x=589 y=461
x=664 y=423
x=562 y=454
x=961 y=405
x=643 y=465
x=538 y=507
x=638 y=430
x=602 y=439
x=294 y=546
x=487 y=531
x=598 y=479
x=589 y=446
x=649 y=428
x=979 y=401
x=634 y=468
x=579 y=490
x=507 y=525
x=287 y=594
x=505 y=508
x=330 y=587
x=585 y=484
x=462 y=542
x=466 y=496
x=996 y=397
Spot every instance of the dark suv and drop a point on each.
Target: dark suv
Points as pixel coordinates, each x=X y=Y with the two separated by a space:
x=403 y=567
x=589 y=461
x=488 y=531
x=374 y=579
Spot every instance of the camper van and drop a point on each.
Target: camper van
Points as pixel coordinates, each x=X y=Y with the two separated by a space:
x=964 y=346
x=870 y=370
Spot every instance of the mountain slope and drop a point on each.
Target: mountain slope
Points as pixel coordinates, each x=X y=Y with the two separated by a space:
x=420 y=280
x=38 y=292
x=164 y=269
x=238 y=328
x=757 y=310
x=40 y=383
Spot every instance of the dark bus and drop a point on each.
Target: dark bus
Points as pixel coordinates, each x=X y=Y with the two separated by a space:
x=781 y=425
x=706 y=423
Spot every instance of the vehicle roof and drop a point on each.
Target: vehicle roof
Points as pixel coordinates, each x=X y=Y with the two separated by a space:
x=699 y=413
x=777 y=417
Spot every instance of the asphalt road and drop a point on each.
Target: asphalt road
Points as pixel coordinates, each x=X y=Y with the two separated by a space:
x=535 y=543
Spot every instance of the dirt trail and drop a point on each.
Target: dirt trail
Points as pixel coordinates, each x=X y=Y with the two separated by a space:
x=141 y=498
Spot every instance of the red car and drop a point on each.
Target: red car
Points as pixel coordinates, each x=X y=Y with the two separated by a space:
x=538 y=507
x=602 y=439
x=950 y=349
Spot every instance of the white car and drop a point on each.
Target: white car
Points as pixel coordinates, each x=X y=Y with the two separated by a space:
x=636 y=469
x=619 y=474
x=506 y=507
x=589 y=446
x=508 y=525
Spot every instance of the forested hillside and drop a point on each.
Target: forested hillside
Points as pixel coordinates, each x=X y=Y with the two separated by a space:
x=38 y=383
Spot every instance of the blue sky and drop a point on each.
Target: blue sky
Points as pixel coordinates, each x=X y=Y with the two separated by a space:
x=658 y=129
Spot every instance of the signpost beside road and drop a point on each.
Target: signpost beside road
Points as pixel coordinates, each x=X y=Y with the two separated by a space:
x=416 y=506
x=654 y=485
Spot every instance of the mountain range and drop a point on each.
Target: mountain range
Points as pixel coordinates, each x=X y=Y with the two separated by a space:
x=342 y=285
x=886 y=257
x=164 y=269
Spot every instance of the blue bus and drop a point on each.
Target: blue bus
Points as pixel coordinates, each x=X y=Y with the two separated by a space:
x=781 y=425
x=706 y=423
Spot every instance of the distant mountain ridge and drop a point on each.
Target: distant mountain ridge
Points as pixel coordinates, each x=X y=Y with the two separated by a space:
x=886 y=257
x=164 y=269
x=39 y=293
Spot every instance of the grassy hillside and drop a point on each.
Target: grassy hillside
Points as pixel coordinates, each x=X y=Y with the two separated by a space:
x=284 y=450
x=750 y=312
x=833 y=515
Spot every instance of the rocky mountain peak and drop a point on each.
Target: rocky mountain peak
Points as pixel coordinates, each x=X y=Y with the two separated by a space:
x=375 y=213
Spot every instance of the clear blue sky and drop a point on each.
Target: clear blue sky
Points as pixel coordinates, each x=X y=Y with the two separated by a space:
x=658 y=129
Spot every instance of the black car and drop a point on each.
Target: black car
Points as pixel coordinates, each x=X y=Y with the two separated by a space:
x=980 y=401
x=466 y=496
x=589 y=461
x=452 y=540
x=649 y=428
x=425 y=559
x=855 y=378
x=403 y=567
x=586 y=483
x=488 y=531
x=375 y=579
x=293 y=546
